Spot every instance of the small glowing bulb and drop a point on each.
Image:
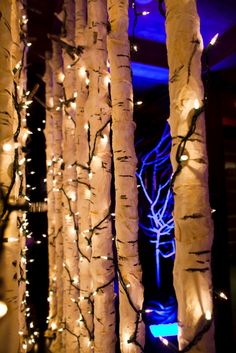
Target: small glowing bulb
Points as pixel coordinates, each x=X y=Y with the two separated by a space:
x=21 y=161
x=24 y=346
x=54 y=326
x=104 y=257
x=12 y=240
x=18 y=65
x=208 y=315
x=82 y=71
x=135 y=47
x=7 y=147
x=139 y=103
x=3 y=309
x=145 y=13
x=184 y=157
x=196 y=104
x=148 y=311
x=75 y=280
x=214 y=39
x=60 y=77
x=29 y=44
x=164 y=341
x=73 y=105
x=223 y=296
x=107 y=80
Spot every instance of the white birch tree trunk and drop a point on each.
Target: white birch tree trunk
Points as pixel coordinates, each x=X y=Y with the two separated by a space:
x=20 y=88
x=85 y=302
x=70 y=221
x=192 y=212
x=58 y=77
x=126 y=222
x=102 y=262
x=9 y=338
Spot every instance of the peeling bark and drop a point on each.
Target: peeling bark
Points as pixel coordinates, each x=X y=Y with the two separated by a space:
x=192 y=213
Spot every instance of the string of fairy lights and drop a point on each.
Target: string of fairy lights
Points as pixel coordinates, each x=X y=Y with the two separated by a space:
x=22 y=104
x=181 y=158
x=87 y=234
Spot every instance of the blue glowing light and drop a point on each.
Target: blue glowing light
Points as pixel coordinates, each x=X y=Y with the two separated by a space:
x=164 y=330
x=159 y=224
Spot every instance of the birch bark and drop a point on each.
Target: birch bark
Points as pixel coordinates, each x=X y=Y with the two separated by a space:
x=70 y=226
x=58 y=78
x=20 y=128
x=85 y=301
x=192 y=213
x=126 y=222
x=9 y=339
x=102 y=266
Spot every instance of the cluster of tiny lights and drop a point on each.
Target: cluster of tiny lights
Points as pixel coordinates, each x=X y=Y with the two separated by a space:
x=8 y=147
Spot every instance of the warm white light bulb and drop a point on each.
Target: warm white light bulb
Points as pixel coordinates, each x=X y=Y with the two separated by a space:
x=3 y=309
x=12 y=240
x=7 y=147
x=164 y=341
x=60 y=77
x=196 y=104
x=184 y=157
x=107 y=80
x=82 y=71
x=223 y=296
x=54 y=326
x=208 y=315
x=214 y=39
x=73 y=105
